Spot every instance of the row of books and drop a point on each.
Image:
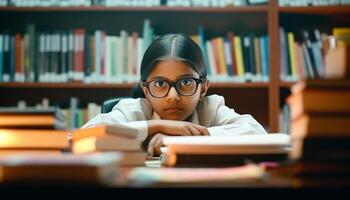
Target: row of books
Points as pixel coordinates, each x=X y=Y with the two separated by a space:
x=213 y=3
x=312 y=2
x=77 y=56
x=32 y=118
x=72 y=56
x=70 y=118
x=235 y=58
x=307 y=58
x=146 y=3
x=78 y=116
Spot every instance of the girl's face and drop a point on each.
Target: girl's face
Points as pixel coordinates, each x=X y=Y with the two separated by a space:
x=173 y=106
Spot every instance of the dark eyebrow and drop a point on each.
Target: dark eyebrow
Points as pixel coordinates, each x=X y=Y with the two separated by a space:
x=164 y=78
x=186 y=75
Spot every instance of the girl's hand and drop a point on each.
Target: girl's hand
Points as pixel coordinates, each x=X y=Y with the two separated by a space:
x=155 y=144
x=173 y=127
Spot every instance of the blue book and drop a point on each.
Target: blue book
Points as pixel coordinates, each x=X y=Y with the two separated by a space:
x=267 y=54
x=6 y=58
x=1 y=56
x=87 y=51
x=97 y=71
x=12 y=65
x=204 y=49
x=74 y=112
x=284 y=53
x=147 y=34
x=317 y=54
x=263 y=56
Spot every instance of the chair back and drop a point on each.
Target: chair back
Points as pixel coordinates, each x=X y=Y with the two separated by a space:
x=108 y=104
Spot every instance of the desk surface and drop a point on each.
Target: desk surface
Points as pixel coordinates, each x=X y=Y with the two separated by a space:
x=276 y=177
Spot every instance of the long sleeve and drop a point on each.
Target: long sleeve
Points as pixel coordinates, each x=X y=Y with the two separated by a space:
x=223 y=120
x=129 y=112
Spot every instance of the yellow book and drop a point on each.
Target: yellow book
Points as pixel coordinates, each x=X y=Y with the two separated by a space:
x=223 y=69
x=105 y=143
x=239 y=56
x=31 y=121
x=257 y=56
x=8 y=152
x=341 y=31
x=293 y=64
x=33 y=139
x=105 y=130
x=342 y=34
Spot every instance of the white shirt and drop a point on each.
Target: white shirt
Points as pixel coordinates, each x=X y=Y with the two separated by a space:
x=211 y=113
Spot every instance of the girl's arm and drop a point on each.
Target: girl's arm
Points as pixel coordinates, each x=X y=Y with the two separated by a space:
x=147 y=128
x=222 y=120
x=228 y=122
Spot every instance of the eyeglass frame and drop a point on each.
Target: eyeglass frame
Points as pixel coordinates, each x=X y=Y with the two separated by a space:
x=173 y=84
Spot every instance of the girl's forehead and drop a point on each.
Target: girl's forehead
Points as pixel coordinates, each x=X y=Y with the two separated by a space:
x=172 y=69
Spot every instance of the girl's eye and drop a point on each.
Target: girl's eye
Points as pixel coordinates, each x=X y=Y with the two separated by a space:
x=186 y=82
x=159 y=83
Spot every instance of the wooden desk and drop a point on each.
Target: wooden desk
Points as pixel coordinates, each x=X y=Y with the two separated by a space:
x=276 y=177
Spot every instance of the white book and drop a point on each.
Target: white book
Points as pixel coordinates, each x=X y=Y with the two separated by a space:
x=211 y=58
x=258 y=144
x=119 y=69
x=108 y=64
x=139 y=55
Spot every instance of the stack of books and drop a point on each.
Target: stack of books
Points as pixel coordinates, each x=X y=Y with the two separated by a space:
x=320 y=131
x=110 y=138
x=209 y=151
x=67 y=169
x=32 y=118
x=32 y=131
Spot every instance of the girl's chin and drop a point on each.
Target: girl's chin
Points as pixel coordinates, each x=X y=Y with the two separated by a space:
x=174 y=117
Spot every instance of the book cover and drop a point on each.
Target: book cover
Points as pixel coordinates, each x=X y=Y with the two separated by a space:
x=225 y=150
x=320 y=125
x=337 y=62
x=105 y=130
x=143 y=176
x=105 y=143
x=33 y=139
x=89 y=169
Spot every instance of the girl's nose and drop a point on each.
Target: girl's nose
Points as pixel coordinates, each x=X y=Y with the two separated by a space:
x=173 y=95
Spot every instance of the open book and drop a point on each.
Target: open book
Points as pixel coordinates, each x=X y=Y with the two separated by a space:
x=225 y=150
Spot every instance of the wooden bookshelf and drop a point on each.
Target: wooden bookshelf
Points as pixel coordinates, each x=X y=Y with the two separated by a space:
x=262 y=100
x=284 y=84
x=319 y=10
x=142 y=9
x=117 y=86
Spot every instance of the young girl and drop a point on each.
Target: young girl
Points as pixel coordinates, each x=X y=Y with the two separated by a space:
x=173 y=99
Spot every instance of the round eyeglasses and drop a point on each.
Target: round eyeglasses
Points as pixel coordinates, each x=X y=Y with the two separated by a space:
x=160 y=88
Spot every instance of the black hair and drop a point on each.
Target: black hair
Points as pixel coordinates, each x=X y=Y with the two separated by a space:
x=171 y=47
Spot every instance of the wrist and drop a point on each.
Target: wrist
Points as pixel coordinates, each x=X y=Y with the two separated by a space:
x=153 y=127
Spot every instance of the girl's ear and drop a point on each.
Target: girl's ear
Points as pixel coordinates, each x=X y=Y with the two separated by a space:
x=144 y=89
x=204 y=89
